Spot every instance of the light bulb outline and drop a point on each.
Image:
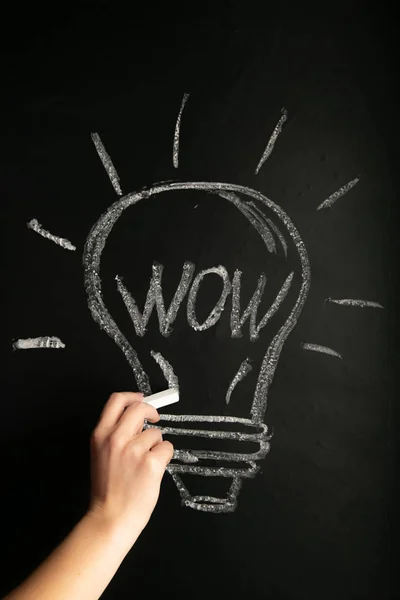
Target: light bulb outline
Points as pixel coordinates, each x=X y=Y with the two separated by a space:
x=93 y=249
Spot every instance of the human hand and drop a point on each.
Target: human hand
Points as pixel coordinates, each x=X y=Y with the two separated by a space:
x=127 y=464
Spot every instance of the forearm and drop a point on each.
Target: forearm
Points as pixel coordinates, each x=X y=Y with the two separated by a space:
x=81 y=567
x=127 y=467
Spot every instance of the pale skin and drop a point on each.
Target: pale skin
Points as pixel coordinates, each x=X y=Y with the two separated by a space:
x=127 y=467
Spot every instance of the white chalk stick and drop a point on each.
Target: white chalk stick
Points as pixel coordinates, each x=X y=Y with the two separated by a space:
x=163 y=398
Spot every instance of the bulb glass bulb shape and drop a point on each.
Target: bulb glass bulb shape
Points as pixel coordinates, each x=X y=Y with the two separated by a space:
x=237 y=466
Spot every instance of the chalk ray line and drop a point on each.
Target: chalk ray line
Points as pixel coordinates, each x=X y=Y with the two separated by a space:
x=37 y=228
x=272 y=140
x=319 y=348
x=354 y=302
x=338 y=194
x=107 y=162
x=175 y=150
x=46 y=342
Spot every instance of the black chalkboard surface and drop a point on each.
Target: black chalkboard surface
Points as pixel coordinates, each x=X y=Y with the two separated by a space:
x=206 y=203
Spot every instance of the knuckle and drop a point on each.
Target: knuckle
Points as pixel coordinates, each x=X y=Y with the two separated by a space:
x=116 y=442
x=153 y=463
x=136 y=451
x=118 y=397
x=140 y=411
x=135 y=406
x=140 y=405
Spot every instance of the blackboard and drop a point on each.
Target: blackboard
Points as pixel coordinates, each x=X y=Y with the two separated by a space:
x=243 y=161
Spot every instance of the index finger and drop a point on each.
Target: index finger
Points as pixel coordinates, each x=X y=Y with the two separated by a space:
x=115 y=407
x=132 y=421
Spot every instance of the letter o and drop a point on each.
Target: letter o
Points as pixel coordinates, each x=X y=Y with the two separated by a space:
x=216 y=312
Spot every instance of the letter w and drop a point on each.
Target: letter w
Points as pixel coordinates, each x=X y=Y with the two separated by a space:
x=155 y=297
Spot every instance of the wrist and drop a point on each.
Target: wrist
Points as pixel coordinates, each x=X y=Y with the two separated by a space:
x=113 y=531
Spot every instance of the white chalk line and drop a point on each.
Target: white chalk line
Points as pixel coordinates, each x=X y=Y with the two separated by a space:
x=338 y=194
x=354 y=302
x=175 y=150
x=319 y=348
x=107 y=162
x=243 y=370
x=272 y=140
x=209 y=503
x=62 y=242
x=219 y=504
x=258 y=223
x=272 y=225
x=44 y=342
x=166 y=369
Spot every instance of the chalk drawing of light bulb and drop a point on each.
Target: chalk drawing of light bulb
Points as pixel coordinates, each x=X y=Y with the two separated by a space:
x=220 y=420
x=275 y=227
